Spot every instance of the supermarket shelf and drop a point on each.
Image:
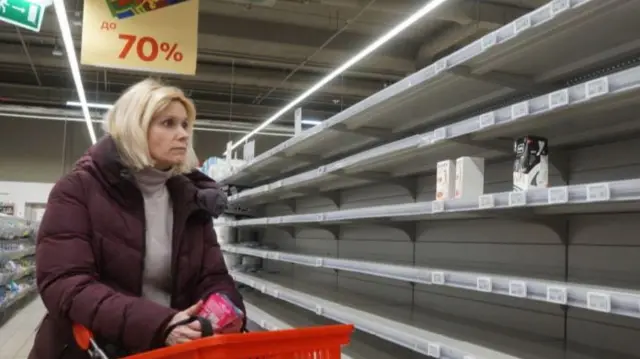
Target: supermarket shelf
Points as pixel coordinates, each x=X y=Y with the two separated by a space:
x=530 y=55
x=591 y=111
x=7 y=306
x=602 y=197
x=8 y=255
x=447 y=336
x=7 y=277
x=600 y=299
x=272 y=314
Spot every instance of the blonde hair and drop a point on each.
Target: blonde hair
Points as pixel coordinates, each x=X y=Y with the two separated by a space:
x=128 y=123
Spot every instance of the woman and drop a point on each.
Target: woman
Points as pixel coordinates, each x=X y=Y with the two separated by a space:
x=126 y=246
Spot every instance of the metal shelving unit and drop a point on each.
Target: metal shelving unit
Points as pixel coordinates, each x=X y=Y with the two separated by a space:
x=602 y=107
x=569 y=72
x=536 y=53
x=600 y=299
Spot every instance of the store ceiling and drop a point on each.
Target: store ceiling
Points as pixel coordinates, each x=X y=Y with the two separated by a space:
x=247 y=51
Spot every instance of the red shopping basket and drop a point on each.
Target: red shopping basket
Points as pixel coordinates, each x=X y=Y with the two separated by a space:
x=322 y=342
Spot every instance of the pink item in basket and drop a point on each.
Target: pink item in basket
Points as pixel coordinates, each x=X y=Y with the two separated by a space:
x=220 y=311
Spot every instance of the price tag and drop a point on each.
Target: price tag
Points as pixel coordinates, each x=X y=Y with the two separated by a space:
x=439 y=134
x=263 y=289
x=558 y=195
x=276 y=184
x=484 y=284
x=276 y=293
x=425 y=140
x=433 y=350
x=522 y=23
x=441 y=65
x=557 y=295
x=517 y=199
x=517 y=288
x=437 y=278
x=263 y=324
x=423 y=277
x=321 y=217
x=487 y=119
x=558 y=99
x=489 y=40
x=318 y=310
x=597 y=87
x=600 y=302
x=558 y=6
x=319 y=262
x=420 y=348
x=321 y=170
x=252 y=283
x=437 y=206
x=598 y=192
x=486 y=201
x=520 y=110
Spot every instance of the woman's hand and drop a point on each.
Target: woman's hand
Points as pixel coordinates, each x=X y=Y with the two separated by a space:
x=233 y=327
x=188 y=332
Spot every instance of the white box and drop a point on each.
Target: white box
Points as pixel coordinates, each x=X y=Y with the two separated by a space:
x=445 y=179
x=469 y=181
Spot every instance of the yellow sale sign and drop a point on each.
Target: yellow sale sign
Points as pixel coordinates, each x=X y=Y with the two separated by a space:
x=146 y=35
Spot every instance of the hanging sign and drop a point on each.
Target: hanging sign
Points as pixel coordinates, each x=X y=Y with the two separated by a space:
x=141 y=35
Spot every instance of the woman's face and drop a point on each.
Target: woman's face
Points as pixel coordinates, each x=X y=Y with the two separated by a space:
x=169 y=136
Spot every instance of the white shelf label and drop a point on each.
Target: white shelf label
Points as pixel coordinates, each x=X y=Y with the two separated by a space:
x=321 y=170
x=487 y=119
x=600 y=302
x=486 y=201
x=517 y=199
x=489 y=40
x=439 y=134
x=597 y=87
x=423 y=277
x=319 y=262
x=320 y=217
x=425 y=140
x=252 y=283
x=522 y=23
x=263 y=289
x=520 y=110
x=437 y=206
x=558 y=195
x=517 y=288
x=318 y=310
x=558 y=6
x=276 y=184
x=263 y=324
x=441 y=65
x=558 y=99
x=276 y=293
x=557 y=295
x=433 y=350
x=484 y=284
x=437 y=278
x=598 y=192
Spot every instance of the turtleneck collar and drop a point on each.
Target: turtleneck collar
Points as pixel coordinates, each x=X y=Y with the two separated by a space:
x=151 y=180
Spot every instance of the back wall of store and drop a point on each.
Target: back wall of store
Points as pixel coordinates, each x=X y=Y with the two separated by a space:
x=35 y=153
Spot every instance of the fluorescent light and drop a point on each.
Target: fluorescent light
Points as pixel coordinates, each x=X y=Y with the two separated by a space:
x=427 y=8
x=102 y=106
x=63 y=23
x=311 y=122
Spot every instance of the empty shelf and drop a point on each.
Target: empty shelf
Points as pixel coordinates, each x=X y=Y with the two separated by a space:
x=595 y=110
x=531 y=54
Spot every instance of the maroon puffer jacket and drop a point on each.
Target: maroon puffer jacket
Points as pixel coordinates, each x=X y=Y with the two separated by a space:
x=90 y=257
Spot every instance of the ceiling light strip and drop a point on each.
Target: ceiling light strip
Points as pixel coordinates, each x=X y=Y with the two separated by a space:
x=69 y=47
x=426 y=9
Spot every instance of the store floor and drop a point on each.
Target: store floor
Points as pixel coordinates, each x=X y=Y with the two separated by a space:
x=16 y=335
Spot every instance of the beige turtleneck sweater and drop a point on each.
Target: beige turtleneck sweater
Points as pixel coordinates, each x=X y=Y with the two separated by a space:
x=158 y=212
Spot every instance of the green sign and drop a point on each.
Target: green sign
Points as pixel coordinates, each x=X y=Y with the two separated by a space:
x=23 y=13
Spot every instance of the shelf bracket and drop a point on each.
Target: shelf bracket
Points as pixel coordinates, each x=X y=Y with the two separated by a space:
x=290 y=230
x=557 y=223
x=378 y=133
x=333 y=196
x=292 y=204
x=334 y=229
x=408 y=228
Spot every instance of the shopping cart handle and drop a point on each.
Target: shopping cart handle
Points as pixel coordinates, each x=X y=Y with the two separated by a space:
x=83 y=336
